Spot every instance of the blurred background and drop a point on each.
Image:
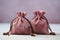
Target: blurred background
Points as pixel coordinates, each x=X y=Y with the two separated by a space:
x=8 y=9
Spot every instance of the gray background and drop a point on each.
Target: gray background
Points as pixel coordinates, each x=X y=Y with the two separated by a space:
x=8 y=9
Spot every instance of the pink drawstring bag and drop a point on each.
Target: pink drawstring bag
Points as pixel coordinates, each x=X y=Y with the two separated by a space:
x=40 y=23
x=20 y=25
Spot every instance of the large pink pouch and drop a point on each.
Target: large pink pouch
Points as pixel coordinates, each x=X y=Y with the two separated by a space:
x=20 y=25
